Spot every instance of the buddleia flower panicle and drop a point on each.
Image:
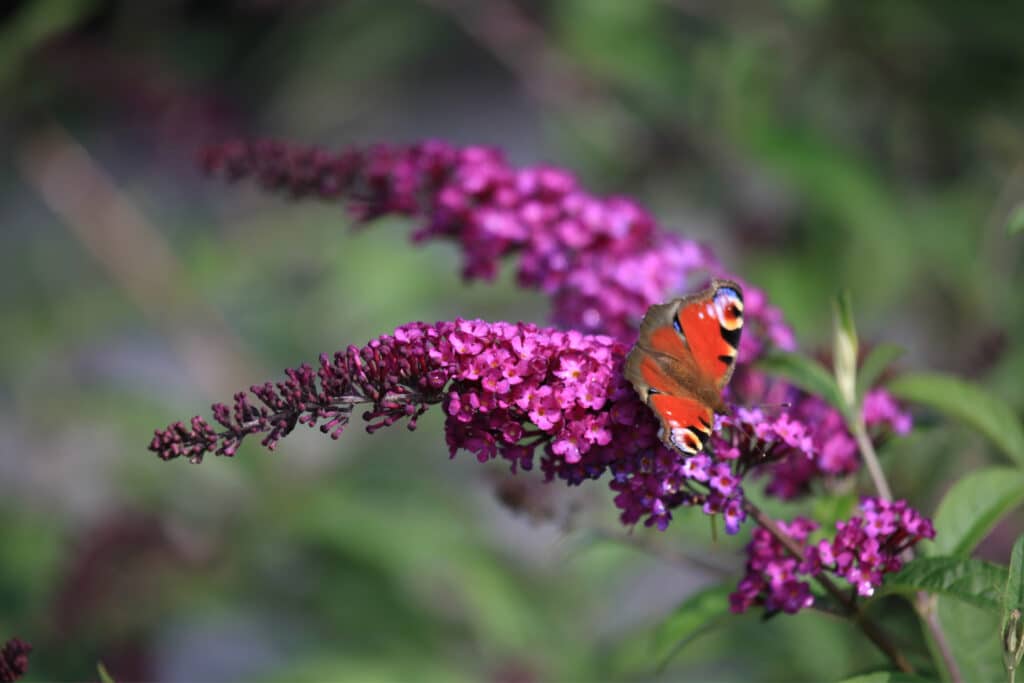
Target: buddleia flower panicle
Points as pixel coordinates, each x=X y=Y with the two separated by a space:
x=602 y=260
x=863 y=550
x=535 y=397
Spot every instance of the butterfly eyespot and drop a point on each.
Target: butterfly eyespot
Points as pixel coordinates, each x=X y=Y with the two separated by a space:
x=688 y=440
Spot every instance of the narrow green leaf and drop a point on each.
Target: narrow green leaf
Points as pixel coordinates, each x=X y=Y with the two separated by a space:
x=887 y=677
x=804 y=372
x=843 y=309
x=844 y=349
x=1015 y=223
x=1013 y=594
x=968 y=402
x=880 y=358
x=973 y=506
x=31 y=25
x=695 y=615
x=971 y=580
x=105 y=676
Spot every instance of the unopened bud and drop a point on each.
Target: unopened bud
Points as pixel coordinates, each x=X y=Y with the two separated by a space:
x=1013 y=640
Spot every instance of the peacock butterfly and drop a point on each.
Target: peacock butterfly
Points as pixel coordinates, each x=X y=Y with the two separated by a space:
x=683 y=359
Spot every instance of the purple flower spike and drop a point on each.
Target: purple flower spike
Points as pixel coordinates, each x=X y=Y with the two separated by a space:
x=511 y=391
x=602 y=260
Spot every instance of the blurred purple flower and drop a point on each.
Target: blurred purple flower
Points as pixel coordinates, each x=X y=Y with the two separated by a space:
x=807 y=441
x=602 y=260
x=14 y=660
x=881 y=409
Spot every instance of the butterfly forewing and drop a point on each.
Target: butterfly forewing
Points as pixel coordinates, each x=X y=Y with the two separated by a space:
x=712 y=325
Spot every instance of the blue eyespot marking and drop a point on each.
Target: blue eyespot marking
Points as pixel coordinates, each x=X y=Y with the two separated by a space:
x=728 y=291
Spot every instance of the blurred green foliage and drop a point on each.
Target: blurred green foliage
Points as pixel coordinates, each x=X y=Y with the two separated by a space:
x=817 y=145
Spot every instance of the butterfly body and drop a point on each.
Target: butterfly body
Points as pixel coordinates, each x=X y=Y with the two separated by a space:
x=684 y=357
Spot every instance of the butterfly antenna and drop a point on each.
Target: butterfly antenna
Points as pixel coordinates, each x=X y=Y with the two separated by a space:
x=774 y=407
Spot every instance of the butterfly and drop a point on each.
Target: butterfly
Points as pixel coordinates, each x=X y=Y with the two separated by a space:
x=683 y=359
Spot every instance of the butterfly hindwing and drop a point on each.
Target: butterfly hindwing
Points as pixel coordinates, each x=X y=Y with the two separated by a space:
x=684 y=357
x=685 y=422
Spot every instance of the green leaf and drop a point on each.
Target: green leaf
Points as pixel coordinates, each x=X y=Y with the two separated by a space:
x=973 y=637
x=844 y=349
x=1011 y=628
x=968 y=402
x=31 y=26
x=696 y=615
x=971 y=580
x=973 y=506
x=1015 y=223
x=1013 y=594
x=881 y=357
x=887 y=677
x=105 y=676
x=829 y=509
x=804 y=372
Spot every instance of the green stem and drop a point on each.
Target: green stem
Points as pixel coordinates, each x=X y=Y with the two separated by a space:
x=924 y=603
x=867 y=453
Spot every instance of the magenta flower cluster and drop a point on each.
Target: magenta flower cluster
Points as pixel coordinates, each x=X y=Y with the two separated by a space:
x=826 y=447
x=864 y=549
x=602 y=260
x=795 y=446
x=514 y=391
x=14 y=660
x=773 y=577
x=516 y=388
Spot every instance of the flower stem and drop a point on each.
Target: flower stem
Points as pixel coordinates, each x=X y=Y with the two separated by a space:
x=705 y=563
x=924 y=603
x=870 y=629
x=867 y=452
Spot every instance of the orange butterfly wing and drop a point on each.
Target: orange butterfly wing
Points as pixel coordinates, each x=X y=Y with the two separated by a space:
x=684 y=357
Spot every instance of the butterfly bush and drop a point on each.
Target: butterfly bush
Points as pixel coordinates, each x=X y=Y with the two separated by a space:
x=556 y=398
x=864 y=548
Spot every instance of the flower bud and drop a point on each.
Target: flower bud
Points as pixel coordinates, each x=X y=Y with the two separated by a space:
x=1013 y=640
x=845 y=351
